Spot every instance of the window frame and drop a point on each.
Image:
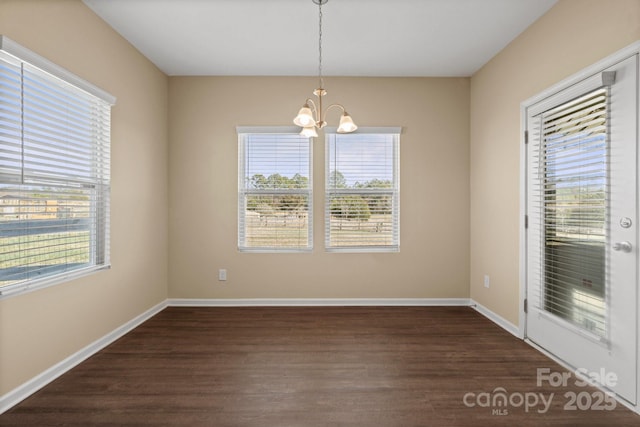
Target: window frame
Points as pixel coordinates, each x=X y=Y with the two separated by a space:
x=394 y=191
x=243 y=132
x=57 y=79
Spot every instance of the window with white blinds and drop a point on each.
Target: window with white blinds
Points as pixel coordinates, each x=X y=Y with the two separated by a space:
x=54 y=172
x=362 y=190
x=571 y=204
x=274 y=190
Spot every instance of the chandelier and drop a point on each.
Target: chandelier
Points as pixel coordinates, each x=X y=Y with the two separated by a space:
x=311 y=116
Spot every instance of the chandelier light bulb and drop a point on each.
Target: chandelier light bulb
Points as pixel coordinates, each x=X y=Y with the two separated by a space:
x=346 y=124
x=304 y=117
x=309 y=132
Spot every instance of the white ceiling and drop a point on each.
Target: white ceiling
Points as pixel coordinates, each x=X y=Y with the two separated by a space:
x=280 y=37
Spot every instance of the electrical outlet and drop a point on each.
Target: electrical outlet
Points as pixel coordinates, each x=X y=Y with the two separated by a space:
x=222 y=274
x=487 y=282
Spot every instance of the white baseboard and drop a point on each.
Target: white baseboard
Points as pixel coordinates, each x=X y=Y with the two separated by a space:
x=497 y=319
x=317 y=302
x=20 y=393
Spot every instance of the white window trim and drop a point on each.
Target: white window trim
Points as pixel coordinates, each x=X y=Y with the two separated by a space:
x=23 y=54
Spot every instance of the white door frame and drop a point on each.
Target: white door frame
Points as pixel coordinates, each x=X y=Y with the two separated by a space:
x=599 y=66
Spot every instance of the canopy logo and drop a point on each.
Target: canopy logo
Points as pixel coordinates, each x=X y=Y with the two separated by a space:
x=500 y=401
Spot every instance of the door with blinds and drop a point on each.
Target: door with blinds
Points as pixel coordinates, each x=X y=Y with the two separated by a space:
x=581 y=236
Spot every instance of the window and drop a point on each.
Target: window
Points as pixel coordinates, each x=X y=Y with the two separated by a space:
x=54 y=172
x=573 y=178
x=274 y=190
x=362 y=190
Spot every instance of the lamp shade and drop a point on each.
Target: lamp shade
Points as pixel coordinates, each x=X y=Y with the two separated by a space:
x=346 y=124
x=304 y=117
x=309 y=132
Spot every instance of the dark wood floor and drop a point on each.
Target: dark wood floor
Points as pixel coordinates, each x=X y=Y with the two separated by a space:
x=352 y=366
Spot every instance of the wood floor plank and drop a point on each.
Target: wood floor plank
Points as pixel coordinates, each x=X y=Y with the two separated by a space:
x=310 y=366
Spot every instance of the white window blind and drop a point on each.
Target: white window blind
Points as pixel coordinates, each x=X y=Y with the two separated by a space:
x=54 y=172
x=362 y=190
x=569 y=207
x=274 y=190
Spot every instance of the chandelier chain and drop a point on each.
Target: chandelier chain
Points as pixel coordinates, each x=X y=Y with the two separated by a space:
x=320 y=43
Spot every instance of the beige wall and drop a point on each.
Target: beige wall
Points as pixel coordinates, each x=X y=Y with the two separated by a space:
x=434 y=238
x=571 y=36
x=39 y=329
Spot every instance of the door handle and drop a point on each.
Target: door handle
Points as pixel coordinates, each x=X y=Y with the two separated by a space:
x=622 y=246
